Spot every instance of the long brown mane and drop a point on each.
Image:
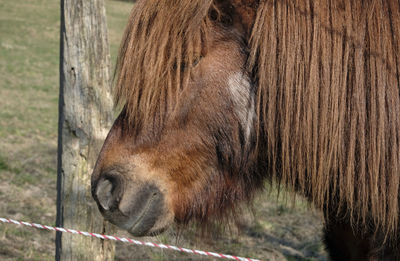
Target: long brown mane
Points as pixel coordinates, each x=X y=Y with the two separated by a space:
x=328 y=97
x=162 y=40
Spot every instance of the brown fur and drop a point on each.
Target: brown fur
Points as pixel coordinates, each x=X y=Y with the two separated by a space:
x=328 y=95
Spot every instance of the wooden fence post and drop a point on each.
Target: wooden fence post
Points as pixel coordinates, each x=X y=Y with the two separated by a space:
x=85 y=116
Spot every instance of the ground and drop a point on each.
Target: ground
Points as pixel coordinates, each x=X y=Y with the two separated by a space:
x=29 y=56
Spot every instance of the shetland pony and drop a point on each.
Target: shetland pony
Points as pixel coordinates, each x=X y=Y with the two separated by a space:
x=219 y=96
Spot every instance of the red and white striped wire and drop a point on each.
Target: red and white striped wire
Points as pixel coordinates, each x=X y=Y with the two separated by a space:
x=127 y=240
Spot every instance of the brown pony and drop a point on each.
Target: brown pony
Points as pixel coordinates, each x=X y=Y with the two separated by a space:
x=218 y=96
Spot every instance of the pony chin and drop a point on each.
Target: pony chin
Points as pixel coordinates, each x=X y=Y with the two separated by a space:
x=215 y=204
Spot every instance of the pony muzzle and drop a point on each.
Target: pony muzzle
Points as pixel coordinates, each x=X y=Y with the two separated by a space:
x=138 y=207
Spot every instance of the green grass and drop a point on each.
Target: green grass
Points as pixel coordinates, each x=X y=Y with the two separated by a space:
x=117 y=18
x=3 y=165
x=29 y=68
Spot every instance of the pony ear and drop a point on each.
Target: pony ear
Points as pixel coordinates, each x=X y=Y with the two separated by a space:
x=242 y=13
x=246 y=12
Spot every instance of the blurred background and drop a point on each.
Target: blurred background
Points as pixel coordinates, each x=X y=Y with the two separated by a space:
x=29 y=83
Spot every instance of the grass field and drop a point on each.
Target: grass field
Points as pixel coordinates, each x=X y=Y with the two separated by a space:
x=29 y=56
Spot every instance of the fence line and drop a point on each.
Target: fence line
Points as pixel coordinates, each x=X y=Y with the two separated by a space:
x=127 y=240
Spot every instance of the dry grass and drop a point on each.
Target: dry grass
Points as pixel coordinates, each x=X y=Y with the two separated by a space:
x=29 y=53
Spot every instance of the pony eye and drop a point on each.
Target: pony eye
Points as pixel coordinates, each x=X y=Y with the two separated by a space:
x=196 y=61
x=184 y=65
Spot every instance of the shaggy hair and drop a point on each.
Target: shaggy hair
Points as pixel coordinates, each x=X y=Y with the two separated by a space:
x=329 y=102
x=328 y=91
x=162 y=40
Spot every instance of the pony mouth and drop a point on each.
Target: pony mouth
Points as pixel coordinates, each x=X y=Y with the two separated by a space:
x=147 y=215
x=143 y=224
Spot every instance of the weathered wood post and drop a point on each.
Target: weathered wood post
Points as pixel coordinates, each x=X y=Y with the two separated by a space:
x=85 y=115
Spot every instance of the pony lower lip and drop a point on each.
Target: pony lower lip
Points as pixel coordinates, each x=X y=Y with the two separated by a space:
x=139 y=221
x=136 y=222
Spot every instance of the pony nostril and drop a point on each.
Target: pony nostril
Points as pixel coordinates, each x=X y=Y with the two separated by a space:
x=105 y=193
